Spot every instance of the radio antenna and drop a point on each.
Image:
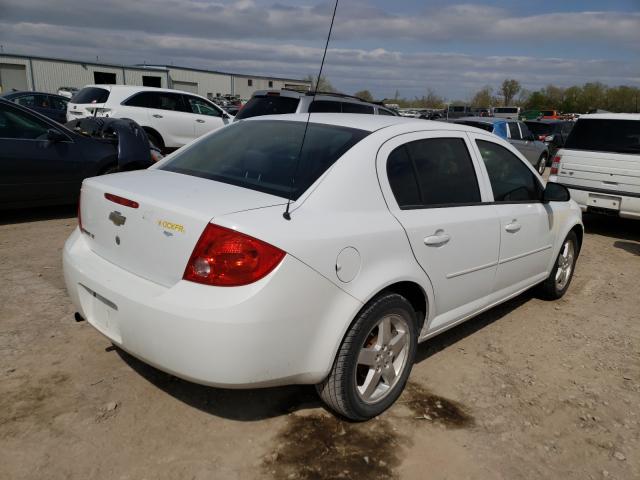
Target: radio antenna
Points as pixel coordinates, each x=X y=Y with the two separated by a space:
x=286 y=214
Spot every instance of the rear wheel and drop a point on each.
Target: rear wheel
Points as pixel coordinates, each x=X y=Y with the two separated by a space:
x=542 y=164
x=557 y=283
x=374 y=360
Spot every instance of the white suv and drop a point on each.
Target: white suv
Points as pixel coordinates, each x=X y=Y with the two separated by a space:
x=600 y=164
x=171 y=118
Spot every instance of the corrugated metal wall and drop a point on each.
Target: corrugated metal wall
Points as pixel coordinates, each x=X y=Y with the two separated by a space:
x=48 y=75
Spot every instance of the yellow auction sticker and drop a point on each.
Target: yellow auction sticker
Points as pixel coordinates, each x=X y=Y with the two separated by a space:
x=176 y=227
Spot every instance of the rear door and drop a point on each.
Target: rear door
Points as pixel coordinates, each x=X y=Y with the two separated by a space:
x=172 y=118
x=526 y=224
x=206 y=116
x=431 y=184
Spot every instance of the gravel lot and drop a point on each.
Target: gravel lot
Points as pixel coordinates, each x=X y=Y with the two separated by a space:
x=531 y=389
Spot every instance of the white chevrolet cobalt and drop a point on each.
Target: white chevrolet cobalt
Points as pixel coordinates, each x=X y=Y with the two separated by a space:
x=397 y=230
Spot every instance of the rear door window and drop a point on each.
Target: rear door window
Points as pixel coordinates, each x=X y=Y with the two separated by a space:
x=325 y=106
x=91 y=95
x=605 y=135
x=268 y=105
x=442 y=171
x=384 y=111
x=511 y=180
x=348 y=107
x=265 y=155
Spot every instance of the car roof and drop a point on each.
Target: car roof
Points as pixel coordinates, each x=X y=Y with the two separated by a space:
x=332 y=96
x=29 y=92
x=365 y=122
x=610 y=116
x=131 y=89
x=489 y=120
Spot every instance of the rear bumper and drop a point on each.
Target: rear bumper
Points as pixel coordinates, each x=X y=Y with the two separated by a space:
x=283 y=329
x=629 y=206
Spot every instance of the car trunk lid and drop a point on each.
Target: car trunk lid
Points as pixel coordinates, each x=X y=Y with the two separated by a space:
x=148 y=222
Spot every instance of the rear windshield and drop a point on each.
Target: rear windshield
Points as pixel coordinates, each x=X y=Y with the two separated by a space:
x=484 y=126
x=540 y=128
x=263 y=155
x=268 y=105
x=91 y=95
x=603 y=135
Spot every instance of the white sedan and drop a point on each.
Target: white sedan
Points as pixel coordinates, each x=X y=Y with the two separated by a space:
x=397 y=230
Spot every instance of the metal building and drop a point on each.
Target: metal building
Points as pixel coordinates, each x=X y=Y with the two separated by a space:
x=21 y=72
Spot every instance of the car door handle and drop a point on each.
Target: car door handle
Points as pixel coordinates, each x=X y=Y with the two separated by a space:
x=513 y=227
x=437 y=239
x=200 y=121
x=155 y=115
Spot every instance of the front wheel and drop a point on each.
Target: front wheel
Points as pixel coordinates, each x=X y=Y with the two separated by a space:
x=557 y=283
x=374 y=360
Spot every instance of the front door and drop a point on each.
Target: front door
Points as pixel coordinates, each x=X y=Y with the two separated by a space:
x=526 y=224
x=206 y=117
x=432 y=186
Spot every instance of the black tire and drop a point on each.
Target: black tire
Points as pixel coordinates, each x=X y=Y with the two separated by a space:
x=339 y=390
x=155 y=140
x=542 y=164
x=550 y=289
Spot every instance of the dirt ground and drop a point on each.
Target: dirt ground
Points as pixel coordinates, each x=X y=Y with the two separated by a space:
x=529 y=390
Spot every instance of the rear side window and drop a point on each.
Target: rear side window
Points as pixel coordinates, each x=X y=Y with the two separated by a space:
x=348 y=107
x=264 y=155
x=514 y=131
x=268 y=105
x=442 y=172
x=91 y=95
x=325 y=106
x=511 y=180
x=384 y=111
x=604 y=135
x=143 y=99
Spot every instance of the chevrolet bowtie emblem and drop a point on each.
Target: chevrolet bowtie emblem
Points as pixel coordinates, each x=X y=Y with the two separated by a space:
x=117 y=218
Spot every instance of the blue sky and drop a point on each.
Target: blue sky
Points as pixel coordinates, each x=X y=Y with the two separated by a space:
x=452 y=47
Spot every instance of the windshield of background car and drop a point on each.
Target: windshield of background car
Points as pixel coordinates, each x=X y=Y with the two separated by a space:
x=540 y=128
x=91 y=95
x=263 y=155
x=605 y=135
x=268 y=105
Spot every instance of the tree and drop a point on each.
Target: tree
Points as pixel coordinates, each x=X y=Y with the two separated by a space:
x=324 y=85
x=432 y=99
x=483 y=97
x=364 y=95
x=510 y=89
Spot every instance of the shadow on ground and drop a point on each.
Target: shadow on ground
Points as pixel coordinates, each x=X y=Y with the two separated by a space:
x=614 y=227
x=258 y=404
x=8 y=217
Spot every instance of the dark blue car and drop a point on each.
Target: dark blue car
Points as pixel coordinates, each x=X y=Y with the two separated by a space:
x=47 y=104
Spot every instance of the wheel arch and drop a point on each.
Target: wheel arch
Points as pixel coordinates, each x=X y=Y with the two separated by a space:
x=155 y=133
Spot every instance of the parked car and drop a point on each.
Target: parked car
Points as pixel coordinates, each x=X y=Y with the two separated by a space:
x=549 y=114
x=171 y=118
x=201 y=267
x=552 y=132
x=512 y=113
x=49 y=105
x=459 y=111
x=600 y=164
x=515 y=132
x=278 y=102
x=67 y=92
x=44 y=163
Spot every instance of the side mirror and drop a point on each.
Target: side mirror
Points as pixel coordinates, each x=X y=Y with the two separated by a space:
x=55 y=136
x=554 y=192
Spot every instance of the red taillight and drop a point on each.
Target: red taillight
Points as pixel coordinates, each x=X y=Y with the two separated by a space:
x=121 y=200
x=227 y=258
x=555 y=165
